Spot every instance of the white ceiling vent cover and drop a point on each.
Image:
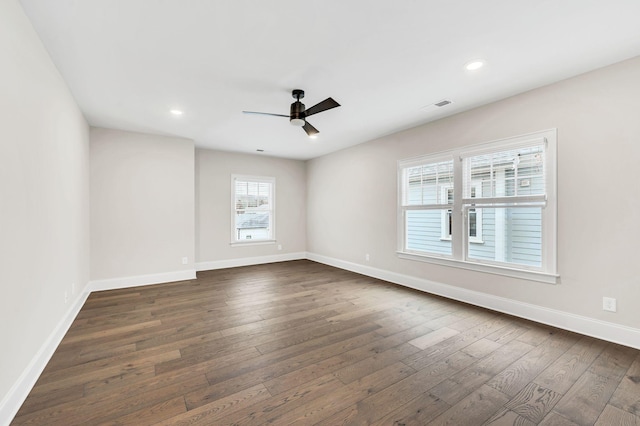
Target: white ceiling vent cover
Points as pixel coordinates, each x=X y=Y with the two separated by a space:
x=437 y=105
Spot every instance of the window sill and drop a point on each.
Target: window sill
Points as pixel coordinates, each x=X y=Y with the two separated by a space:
x=542 y=277
x=251 y=243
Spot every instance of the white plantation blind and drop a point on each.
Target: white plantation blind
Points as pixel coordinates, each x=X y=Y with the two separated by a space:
x=252 y=194
x=506 y=176
x=426 y=184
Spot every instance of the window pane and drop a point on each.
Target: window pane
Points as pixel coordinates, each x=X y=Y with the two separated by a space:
x=253 y=210
x=426 y=184
x=424 y=232
x=473 y=230
x=512 y=235
x=253 y=225
x=507 y=173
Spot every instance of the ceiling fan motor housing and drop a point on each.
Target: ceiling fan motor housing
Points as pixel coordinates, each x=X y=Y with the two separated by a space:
x=296 y=117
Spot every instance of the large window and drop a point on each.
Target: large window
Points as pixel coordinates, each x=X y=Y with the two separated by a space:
x=489 y=207
x=253 y=209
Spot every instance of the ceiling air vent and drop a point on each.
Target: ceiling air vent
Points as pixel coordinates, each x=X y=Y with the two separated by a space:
x=442 y=103
x=437 y=105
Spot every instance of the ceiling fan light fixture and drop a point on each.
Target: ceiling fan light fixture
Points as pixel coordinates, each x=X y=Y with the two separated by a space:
x=297 y=122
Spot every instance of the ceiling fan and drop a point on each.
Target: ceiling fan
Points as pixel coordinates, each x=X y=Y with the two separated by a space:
x=298 y=115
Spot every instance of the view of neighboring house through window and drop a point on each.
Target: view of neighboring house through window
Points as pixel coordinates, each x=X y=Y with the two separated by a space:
x=253 y=208
x=491 y=204
x=475 y=217
x=427 y=203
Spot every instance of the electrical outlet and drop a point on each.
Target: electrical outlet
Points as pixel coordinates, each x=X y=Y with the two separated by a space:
x=279 y=246
x=66 y=296
x=366 y=257
x=609 y=304
x=185 y=260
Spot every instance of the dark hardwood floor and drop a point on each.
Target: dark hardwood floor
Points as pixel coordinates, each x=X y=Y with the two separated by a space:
x=304 y=343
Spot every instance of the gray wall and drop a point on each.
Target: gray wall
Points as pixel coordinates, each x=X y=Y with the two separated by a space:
x=142 y=204
x=213 y=204
x=44 y=197
x=352 y=194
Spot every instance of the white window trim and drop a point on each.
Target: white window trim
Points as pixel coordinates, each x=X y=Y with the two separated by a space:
x=444 y=216
x=459 y=259
x=266 y=179
x=478 y=238
x=482 y=267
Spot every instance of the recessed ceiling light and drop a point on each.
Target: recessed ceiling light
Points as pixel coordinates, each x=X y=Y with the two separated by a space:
x=474 y=65
x=176 y=112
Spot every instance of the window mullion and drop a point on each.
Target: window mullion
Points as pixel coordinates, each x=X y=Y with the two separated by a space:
x=458 y=228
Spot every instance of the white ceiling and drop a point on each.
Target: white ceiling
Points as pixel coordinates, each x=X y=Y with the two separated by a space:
x=129 y=62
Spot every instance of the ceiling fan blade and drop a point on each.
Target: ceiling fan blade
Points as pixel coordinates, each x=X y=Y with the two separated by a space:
x=322 y=106
x=310 y=129
x=265 y=113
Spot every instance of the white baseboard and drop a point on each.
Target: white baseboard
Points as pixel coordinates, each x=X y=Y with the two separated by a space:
x=604 y=330
x=140 y=280
x=248 y=261
x=14 y=399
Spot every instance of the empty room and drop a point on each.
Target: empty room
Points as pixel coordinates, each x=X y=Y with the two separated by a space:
x=223 y=212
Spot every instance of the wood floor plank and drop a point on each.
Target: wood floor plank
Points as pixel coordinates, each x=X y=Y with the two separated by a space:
x=613 y=362
x=152 y=415
x=328 y=405
x=471 y=378
x=303 y=343
x=419 y=411
x=415 y=385
x=270 y=409
x=445 y=348
x=358 y=370
x=615 y=416
x=508 y=333
x=565 y=370
x=481 y=348
x=479 y=406
x=210 y=413
x=515 y=377
x=104 y=408
x=506 y=417
x=434 y=337
x=338 y=355
x=627 y=395
x=555 y=419
x=587 y=398
x=533 y=402
x=63 y=381
x=223 y=382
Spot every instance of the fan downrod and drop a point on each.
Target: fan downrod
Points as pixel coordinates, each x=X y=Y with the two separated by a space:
x=297 y=94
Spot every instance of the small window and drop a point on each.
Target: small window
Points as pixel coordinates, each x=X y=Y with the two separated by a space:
x=253 y=209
